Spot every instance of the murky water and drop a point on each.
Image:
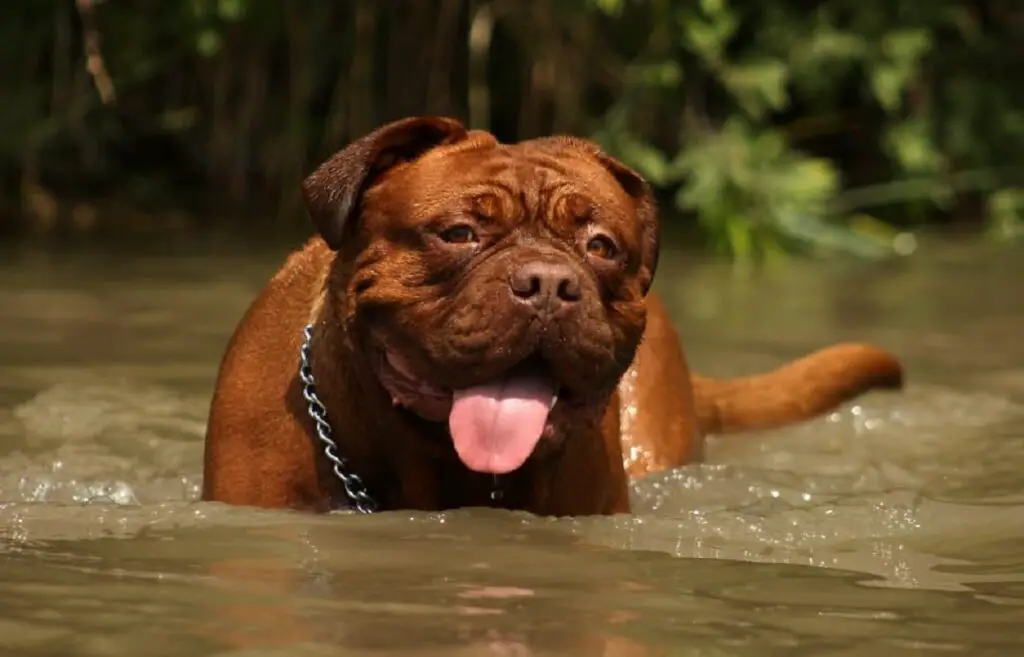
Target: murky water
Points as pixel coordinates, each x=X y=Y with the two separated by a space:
x=893 y=527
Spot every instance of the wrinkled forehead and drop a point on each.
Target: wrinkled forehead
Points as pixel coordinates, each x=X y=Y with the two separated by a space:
x=529 y=175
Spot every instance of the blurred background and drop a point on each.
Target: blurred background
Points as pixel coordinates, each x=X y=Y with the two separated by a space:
x=821 y=126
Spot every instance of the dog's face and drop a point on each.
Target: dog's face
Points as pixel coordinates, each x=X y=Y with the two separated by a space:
x=499 y=287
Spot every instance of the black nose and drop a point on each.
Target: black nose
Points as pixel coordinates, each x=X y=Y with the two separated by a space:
x=547 y=286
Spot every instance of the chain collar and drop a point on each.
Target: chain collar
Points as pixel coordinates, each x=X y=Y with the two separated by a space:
x=355 y=489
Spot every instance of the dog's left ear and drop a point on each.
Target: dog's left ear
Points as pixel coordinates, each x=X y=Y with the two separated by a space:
x=333 y=192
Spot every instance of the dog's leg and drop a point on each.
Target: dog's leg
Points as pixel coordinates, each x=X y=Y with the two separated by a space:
x=799 y=390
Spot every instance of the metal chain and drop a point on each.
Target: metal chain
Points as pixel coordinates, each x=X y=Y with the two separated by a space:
x=355 y=489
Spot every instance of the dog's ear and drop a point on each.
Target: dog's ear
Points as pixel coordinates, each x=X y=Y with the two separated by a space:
x=333 y=192
x=643 y=200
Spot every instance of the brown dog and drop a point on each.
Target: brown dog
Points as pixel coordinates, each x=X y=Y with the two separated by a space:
x=482 y=334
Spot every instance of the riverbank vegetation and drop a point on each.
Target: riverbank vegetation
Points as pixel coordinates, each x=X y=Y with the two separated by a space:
x=766 y=127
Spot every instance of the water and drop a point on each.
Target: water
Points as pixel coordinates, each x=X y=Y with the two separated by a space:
x=894 y=526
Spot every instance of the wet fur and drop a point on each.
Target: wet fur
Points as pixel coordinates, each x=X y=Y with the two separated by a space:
x=373 y=278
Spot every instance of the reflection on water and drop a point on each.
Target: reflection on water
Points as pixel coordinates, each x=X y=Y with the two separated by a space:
x=893 y=525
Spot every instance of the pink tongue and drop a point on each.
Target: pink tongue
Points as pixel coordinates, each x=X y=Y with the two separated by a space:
x=496 y=426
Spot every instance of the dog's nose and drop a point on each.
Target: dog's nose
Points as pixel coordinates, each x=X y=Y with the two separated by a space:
x=547 y=286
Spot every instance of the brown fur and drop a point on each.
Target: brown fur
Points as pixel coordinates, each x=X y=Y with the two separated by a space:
x=377 y=275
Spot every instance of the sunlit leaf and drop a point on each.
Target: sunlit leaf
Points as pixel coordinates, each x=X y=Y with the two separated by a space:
x=707 y=36
x=231 y=10
x=906 y=46
x=912 y=145
x=888 y=82
x=208 y=42
x=1006 y=213
x=760 y=86
x=660 y=74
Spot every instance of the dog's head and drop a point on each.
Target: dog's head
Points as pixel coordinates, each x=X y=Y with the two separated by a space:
x=500 y=287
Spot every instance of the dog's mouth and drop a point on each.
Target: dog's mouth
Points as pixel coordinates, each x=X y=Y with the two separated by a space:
x=495 y=425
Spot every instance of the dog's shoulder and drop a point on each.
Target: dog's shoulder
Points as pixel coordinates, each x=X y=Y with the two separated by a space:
x=309 y=262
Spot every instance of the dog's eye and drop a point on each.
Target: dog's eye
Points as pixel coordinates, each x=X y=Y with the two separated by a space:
x=600 y=246
x=461 y=234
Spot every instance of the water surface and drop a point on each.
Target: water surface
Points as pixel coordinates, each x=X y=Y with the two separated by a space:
x=894 y=526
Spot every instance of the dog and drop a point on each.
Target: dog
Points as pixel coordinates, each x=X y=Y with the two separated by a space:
x=473 y=325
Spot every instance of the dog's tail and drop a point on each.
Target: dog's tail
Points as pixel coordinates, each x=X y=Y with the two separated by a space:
x=799 y=390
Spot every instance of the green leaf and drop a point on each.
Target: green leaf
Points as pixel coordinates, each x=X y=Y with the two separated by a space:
x=888 y=82
x=609 y=7
x=759 y=87
x=911 y=145
x=901 y=53
x=906 y=46
x=1006 y=213
x=666 y=74
x=714 y=7
x=208 y=42
x=232 y=10
x=740 y=237
x=708 y=36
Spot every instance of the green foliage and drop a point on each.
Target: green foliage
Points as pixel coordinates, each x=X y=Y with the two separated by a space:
x=915 y=82
x=1006 y=212
x=820 y=126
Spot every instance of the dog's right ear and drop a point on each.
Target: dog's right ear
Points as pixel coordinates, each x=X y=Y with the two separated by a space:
x=333 y=192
